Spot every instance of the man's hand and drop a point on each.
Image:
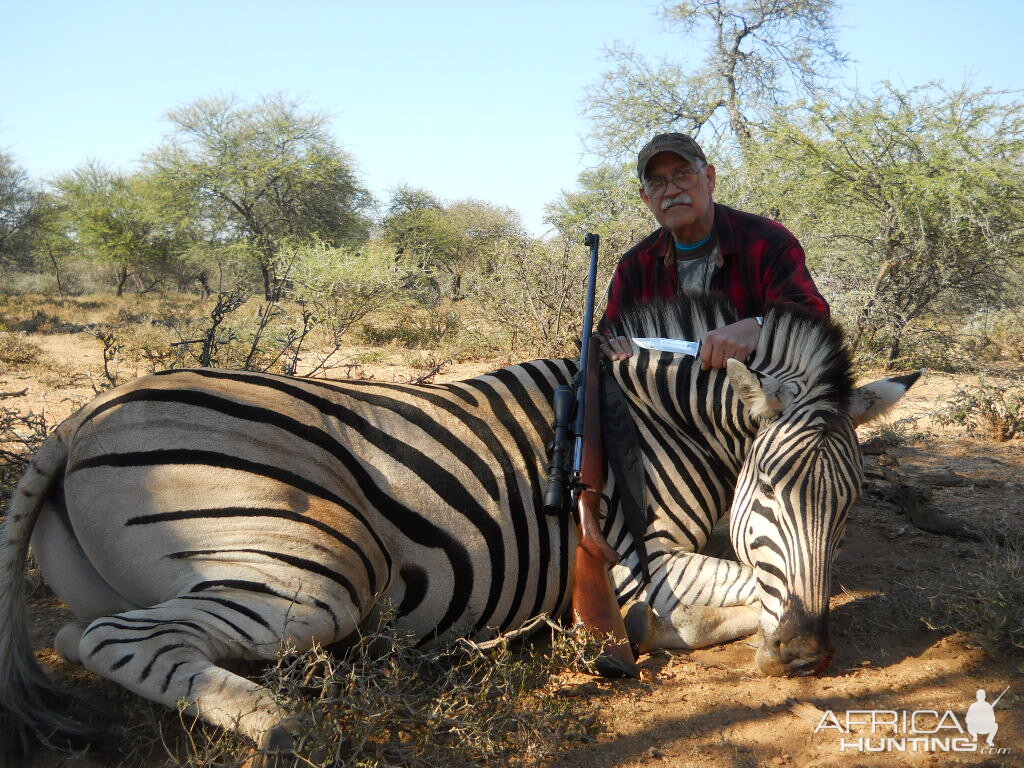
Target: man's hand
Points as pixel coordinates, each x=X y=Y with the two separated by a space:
x=737 y=340
x=616 y=347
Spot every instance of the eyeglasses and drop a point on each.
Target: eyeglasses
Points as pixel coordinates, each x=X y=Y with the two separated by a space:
x=684 y=178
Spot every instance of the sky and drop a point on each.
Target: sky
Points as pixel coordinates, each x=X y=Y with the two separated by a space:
x=465 y=98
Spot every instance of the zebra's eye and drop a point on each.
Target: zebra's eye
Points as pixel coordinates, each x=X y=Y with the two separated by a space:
x=767 y=490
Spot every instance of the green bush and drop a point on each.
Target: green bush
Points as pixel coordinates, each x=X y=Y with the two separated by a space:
x=993 y=408
x=997 y=336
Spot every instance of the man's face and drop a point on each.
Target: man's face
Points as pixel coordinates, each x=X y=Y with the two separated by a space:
x=689 y=213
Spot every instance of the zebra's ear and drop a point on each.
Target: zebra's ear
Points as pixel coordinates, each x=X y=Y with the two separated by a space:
x=762 y=394
x=872 y=400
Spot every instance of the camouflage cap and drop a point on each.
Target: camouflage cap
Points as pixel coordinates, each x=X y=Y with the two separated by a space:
x=680 y=143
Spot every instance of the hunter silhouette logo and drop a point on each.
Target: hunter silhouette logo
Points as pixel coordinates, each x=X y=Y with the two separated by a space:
x=920 y=730
x=981 y=717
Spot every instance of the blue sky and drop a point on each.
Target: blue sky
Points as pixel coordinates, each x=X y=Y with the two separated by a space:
x=466 y=98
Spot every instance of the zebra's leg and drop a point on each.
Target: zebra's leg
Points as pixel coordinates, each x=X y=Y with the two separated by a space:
x=167 y=654
x=693 y=601
x=68 y=570
x=688 y=626
x=68 y=640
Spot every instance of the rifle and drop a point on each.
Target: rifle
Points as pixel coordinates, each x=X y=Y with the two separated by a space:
x=593 y=600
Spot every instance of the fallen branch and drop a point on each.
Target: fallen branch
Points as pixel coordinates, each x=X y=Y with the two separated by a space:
x=515 y=634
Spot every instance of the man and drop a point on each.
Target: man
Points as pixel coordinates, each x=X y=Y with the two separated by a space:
x=703 y=246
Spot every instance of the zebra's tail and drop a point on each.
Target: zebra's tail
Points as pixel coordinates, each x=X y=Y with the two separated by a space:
x=32 y=707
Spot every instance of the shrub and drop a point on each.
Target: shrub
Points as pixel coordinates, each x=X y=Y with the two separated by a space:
x=20 y=435
x=415 y=330
x=385 y=702
x=899 y=433
x=996 y=336
x=985 y=597
x=534 y=296
x=149 y=343
x=999 y=410
x=17 y=351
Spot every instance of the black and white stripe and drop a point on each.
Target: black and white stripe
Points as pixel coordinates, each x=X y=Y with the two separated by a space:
x=198 y=515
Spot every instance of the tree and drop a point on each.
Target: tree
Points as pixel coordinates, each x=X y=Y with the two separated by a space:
x=107 y=215
x=52 y=244
x=759 y=50
x=914 y=198
x=608 y=203
x=18 y=212
x=261 y=175
x=446 y=240
x=536 y=296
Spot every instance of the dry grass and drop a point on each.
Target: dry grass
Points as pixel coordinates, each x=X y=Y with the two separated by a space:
x=16 y=351
x=984 y=598
x=382 y=702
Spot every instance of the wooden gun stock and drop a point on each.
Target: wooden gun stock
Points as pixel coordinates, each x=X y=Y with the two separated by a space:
x=593 y=600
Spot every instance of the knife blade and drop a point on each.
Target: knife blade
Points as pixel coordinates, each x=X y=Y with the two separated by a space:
x=676 y=346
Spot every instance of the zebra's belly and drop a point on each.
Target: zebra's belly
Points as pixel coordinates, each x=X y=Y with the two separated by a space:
x=160 y=509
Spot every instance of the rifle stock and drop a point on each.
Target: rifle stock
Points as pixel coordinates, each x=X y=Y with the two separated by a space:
x=593 y=600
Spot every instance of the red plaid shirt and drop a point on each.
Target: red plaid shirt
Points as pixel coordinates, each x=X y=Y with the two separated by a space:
x=762 y=262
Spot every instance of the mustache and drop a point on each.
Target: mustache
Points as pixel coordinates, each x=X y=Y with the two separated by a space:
x=680 y=198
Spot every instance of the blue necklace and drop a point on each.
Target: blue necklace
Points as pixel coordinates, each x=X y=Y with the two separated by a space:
x=693 y=246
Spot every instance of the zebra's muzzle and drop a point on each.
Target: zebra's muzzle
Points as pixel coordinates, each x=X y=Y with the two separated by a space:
x=800 y=646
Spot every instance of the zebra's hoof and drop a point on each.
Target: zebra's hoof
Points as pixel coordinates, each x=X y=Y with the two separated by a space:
x=67 y=641
x=638 y=620
x=277 y=745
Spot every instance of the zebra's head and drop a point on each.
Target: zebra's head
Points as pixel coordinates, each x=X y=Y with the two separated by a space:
x=799 y=480
x=777 y=436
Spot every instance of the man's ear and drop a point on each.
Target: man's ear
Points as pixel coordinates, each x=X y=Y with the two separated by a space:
x=710 y=171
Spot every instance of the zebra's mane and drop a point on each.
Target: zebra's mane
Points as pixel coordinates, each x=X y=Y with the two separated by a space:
x=794 y=344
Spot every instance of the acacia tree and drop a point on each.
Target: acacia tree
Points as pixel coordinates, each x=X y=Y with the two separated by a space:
x=445 y=241
x=19 y=212
x=52 y=244
x=261 y=175
x=912 y=200
x=106 y=215
x=760 y=52
x=607 y=203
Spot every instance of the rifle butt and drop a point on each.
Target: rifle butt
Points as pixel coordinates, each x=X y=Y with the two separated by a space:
x=594 y=605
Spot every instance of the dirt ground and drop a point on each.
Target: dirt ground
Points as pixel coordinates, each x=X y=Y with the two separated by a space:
x=711 y=708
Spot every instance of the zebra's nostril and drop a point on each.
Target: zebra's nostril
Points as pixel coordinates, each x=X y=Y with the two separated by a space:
x=802 y=668
x=802 y=655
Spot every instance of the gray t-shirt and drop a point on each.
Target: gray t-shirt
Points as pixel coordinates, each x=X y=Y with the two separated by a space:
x=695 y=267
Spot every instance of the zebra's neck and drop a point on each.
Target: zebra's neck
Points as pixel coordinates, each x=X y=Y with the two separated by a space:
x=671 y=395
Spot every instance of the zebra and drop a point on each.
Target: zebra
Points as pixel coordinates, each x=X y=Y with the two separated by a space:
x=195 y=516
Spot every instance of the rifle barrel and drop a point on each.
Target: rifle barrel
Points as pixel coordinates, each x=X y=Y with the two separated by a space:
x=1000 y=696
x=594 y=241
